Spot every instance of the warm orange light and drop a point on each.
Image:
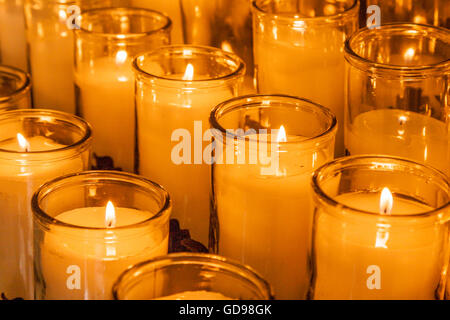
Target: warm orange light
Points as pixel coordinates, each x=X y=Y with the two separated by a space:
x=110 y=215
x=281 y=135
x=409 y=54
x=121 y=57
x=386 y=201
x=23 y=143
x=189 y=73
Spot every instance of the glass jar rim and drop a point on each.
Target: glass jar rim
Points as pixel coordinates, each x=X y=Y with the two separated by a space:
x=166 y=24
x=257 y=100
x=290 y=17
x=59 y=182
x=188 y=258
x=39 y=113
x=25 y=83
x=351 y=161
x=358 y=61
x=236 y=72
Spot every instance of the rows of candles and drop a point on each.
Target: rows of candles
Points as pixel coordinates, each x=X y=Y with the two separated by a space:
x=315 y=168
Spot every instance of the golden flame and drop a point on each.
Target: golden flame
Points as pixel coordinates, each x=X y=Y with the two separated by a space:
x=189 y=73
x=226 y=46
x=110 y=215
x=121 y=57
x=409 y=54
x=386 y=201
x=281 y=137
x=23 y=143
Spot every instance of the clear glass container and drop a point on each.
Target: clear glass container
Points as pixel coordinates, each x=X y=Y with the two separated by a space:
x=397 y=93
x=190 y=276
x=51 y=144
x=15 y=88
x=50 y=49
x=13 y=44
x=105 y=45
x=225 y=24
x=432 y=12
x=176 y=88
x=90 y=227
x=261 y=212
x=299 y=50
x=381 y=230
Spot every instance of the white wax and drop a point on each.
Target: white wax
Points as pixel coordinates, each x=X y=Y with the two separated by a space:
x=18 y=181
x=106 y=97
x=100 y=255
x=159 y=113
x=265 y=221
x=400 y=133
x=196 y=295
x=51 y=59
x=309 y=66
x=12 y=34
x=409 y=258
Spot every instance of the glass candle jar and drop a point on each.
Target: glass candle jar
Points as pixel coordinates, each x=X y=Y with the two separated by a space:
x=190 y=276
x=299 y=50
x=381 y=230
x=92 y=226
x=14 y=89
x=266 y=148
x=435 y=13
x=13 y=51
x=105 y=44
x=35 y=146
x=49 y=29
x=225 y=24
x=176 y=88
x=398 y=93
x=172 y=8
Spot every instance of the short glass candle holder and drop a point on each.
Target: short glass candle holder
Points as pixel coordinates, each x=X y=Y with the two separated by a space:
x=381 y=229
x=14 y=89
x=92 y=226
x=265 y=151
x=13 y=44
x=35 y=146
x=190 y=276
x=176 y=88
x=299 y=50
x=398 y=93
x=105 y=45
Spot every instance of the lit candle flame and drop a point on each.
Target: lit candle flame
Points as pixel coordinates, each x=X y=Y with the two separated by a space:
x=110 y=215
x=386 y=201
x=23 y=143
x=189 y=73
x=409 y=54
x=281 y=135
x=121 y=57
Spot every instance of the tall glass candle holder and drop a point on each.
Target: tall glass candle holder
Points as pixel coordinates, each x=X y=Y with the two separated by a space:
x=299 y=50
x=381 y=230
x=92 y=226
x=435 y=13
x=15 y=88
x=176 y=88
x=225 y=24
x=13 y=50
x=105 y=45
x=35 y=146
x=398 y=93
x=49 y=29
x=190 y=276
x=261 y=213
x=172 y=8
